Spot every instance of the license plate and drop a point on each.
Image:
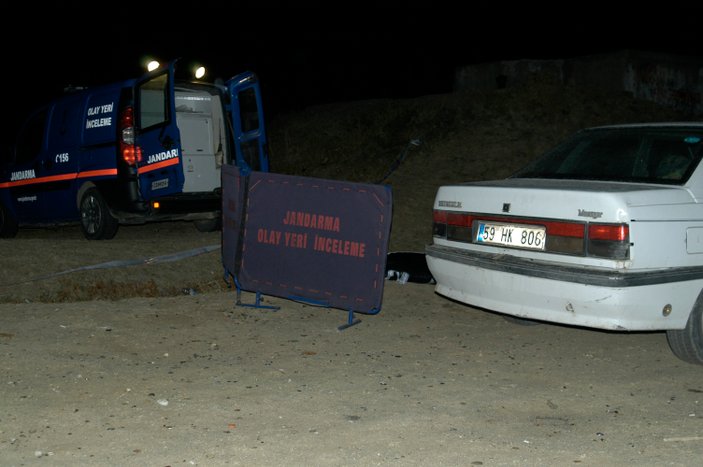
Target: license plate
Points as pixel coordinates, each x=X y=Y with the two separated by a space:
x=520 y=236
x=158 y=184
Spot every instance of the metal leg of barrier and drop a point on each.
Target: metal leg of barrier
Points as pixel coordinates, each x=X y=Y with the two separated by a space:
x=225 y=277
x=256 y=304
x=351 y=321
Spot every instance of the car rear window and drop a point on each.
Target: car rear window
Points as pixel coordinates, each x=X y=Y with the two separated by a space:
x=644 y=155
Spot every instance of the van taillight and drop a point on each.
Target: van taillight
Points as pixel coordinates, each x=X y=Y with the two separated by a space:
x=131 y=153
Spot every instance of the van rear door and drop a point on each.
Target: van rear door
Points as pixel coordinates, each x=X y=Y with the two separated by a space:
x=246 y=111
x=157 y=135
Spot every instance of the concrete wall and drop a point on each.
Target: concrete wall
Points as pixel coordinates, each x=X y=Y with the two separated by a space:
x=668 y=80
x=498 y=75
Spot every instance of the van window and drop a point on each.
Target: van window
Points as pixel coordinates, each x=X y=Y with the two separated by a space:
x=153 y=101
x=31 y=139
x=248 y=110
x=249 y=118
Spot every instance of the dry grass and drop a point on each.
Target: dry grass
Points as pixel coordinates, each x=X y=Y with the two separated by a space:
x=70 y=290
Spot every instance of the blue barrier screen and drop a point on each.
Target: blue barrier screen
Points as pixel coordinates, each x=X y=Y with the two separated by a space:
x=319 y=240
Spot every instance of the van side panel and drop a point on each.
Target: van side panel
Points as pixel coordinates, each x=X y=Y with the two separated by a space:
x=100 y=118
x=62 y=160
x=26 y=179
x=52 y=172
x=100 y=144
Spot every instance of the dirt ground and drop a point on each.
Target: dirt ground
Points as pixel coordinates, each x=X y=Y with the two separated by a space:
x=195 y=379
x=134 y=351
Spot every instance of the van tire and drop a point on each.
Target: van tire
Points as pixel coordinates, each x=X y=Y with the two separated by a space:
x=687 y=343
x=97 y=222
x=208 y=225
x=8 y=224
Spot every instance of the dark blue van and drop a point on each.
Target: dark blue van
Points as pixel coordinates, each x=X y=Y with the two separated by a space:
x=132 y=152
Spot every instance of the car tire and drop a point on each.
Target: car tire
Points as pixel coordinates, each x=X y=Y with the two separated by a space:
x=521 y=321
x=687 y=343
x=97 y=222
x=208 y=225
x=8 y=223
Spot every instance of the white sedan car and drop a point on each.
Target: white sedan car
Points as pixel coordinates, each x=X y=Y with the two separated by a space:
x=604 y=231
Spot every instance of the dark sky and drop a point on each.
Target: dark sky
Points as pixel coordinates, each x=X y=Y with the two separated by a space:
x=306 y=56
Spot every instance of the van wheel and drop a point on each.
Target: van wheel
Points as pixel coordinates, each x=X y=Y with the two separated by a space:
x=208 y=225
x=8 y=224
x=687 y=343
x=96 y=221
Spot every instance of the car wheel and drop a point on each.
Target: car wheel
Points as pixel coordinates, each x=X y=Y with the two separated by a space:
x=687 y=343
x=208 y=225
x=8 y=224
x=96 y=221
x=521 y=321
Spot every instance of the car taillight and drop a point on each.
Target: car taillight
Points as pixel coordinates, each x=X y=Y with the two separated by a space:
x=610 y=241
x=452 y=225
x=439 y=224
x=131 y=153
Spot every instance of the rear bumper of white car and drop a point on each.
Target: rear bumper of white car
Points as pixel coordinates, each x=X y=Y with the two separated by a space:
x=613 y=300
